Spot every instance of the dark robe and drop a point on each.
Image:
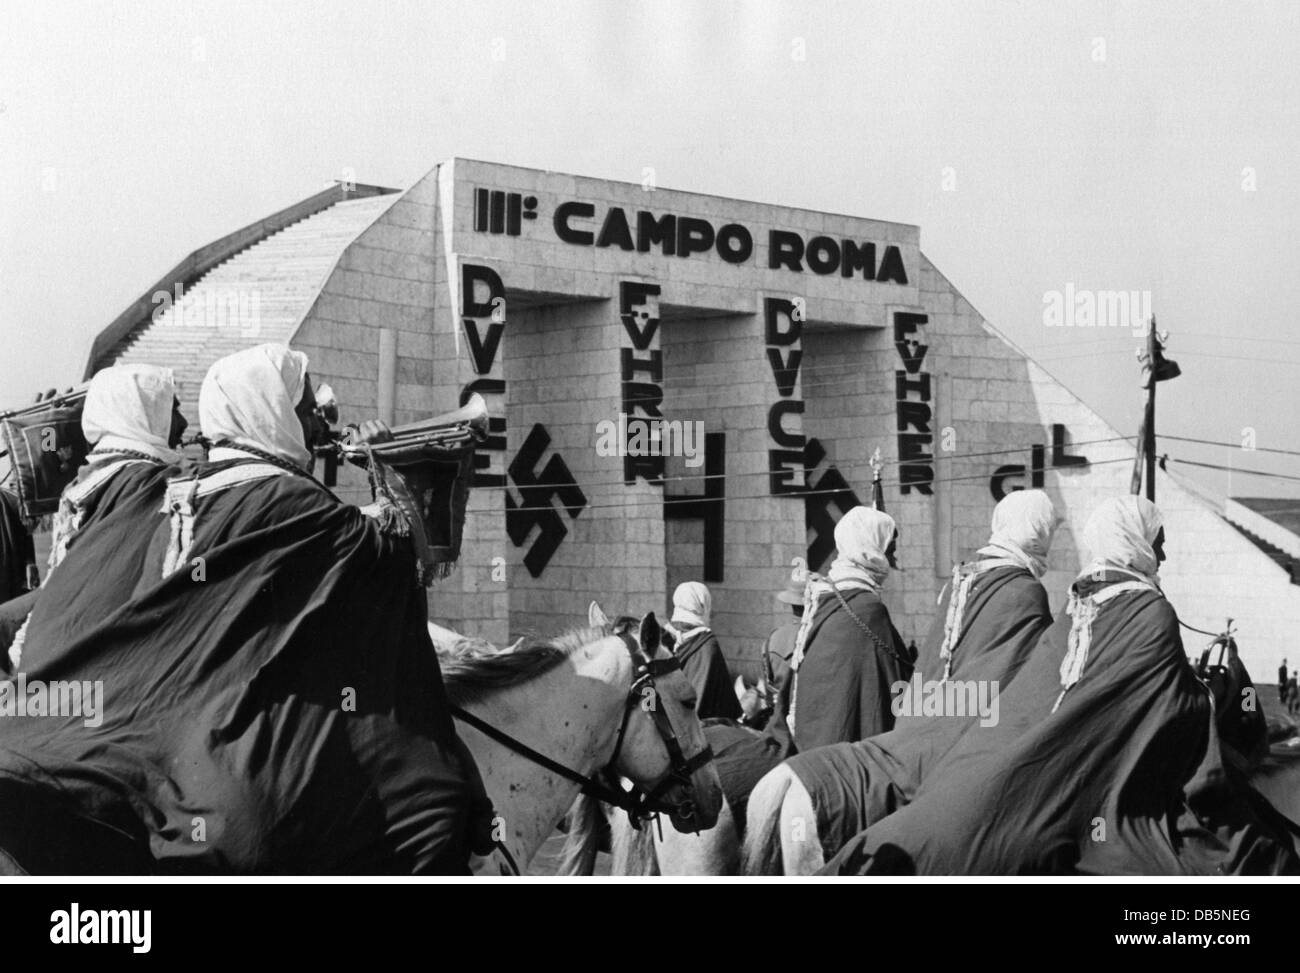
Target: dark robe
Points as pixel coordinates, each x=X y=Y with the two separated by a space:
x=276 y=707
x=842 y=688
x=136 y=491
x=854 y=785
x=1096 y=785
x=778 y=650
x=16 y=548
x=743 y=755
x=701 y=659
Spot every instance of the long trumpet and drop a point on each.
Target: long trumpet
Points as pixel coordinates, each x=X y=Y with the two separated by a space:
x=50 y=401
x=451 y=430
x=472 y=417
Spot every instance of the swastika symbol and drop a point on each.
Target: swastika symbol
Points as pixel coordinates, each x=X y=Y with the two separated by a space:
x=536 y=495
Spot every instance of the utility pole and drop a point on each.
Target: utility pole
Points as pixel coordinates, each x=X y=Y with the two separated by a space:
x=1156 y=368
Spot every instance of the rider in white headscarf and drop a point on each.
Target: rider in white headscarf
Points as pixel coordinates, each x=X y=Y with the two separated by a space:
x=250 y=401
x=1023 y=524
x=1124 y=534
x=131 y=416
x=699 y=653
x=847 y=652
x=132 y=420
x=862 y=540
x=131 y=408
x=233 y=625
x=1125 y=537
x=692 y=605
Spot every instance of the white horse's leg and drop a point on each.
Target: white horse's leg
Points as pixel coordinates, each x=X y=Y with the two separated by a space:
x=801 y=846
x=781 y=827
x=632 y=851
x=762 y=851
x=712 y=852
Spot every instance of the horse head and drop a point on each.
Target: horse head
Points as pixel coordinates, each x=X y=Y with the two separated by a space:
x=662 y=748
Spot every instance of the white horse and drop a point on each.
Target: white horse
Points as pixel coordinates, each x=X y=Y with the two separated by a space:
x=571 y=701
x=660 y=851
x=781 y=827
x=712 y=851
x=780 y=838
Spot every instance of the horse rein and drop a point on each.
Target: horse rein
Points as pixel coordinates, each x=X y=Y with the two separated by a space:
x=681 y=768
x=638 y=803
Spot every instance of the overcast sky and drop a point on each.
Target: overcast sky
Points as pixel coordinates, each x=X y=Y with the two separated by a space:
x=1109 y=146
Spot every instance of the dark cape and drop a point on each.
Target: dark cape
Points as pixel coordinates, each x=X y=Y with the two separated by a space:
x=854 y=785
x=743 y=755
x=16 y=548
x=842 y=688
x=273 y=706
x=1096 y=785
x=701 y=659
x=136 y=491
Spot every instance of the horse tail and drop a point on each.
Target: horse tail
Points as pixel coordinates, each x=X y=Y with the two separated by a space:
x=761 y=853
x=578 y=856
x=633 y=849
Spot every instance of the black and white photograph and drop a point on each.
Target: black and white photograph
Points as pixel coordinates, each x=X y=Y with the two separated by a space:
x=642 y=443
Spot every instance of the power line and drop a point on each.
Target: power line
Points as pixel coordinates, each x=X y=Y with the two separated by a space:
x=1212 y=442
x=1179 y=353
x=1118 y=333
x=1235 y=470
x=645 y=500
x=676 y=393
x=805 y=470
x=796 y=470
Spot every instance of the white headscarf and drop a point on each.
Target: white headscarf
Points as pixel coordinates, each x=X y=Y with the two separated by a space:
x=130 y=407
x=861 y=538
x=1119 y=535
x=692 y=604
x=249 y=398
x=1023 y=524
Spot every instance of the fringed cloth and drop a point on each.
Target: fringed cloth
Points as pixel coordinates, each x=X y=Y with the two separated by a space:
x=963 y=579
x=1083 y=612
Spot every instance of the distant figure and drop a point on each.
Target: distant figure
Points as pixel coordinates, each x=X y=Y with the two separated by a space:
x=699 y=654
x=1281 y=681
x=1292 y=696
x=779 y=648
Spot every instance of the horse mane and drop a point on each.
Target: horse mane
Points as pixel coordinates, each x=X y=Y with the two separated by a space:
x=474 y=669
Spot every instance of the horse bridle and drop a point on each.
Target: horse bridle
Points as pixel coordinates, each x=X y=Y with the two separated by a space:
x=681 y=768
x=638 y=802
